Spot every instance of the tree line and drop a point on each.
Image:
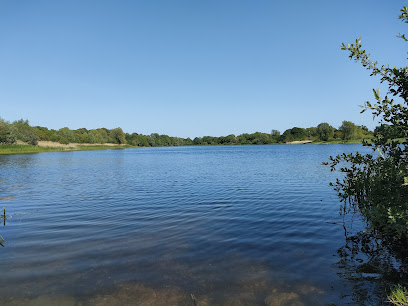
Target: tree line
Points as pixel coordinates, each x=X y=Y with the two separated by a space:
x=23 y=131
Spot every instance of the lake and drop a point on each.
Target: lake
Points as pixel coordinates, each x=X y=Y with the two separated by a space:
x=215 y=225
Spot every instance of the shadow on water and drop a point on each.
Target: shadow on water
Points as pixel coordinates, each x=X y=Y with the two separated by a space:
x=370 y=267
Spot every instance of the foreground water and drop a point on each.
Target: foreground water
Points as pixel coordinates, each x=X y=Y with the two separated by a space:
x=223 y=225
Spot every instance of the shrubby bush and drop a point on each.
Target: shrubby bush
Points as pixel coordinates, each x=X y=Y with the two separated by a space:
x=375 y=185
x=22 y=130
x=6 y=137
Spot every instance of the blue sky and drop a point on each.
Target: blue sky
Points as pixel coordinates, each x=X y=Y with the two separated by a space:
x=192 y=68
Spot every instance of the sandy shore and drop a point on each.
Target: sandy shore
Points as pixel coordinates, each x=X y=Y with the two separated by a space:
x=52 y=144
x=299 y=142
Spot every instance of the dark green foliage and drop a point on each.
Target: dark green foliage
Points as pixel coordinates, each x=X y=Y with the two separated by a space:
x=97 y=136
x=375 y=184
x=117 y=136
x=43 y=133
x=325 y=131
x=22 y=130
x=275 y=133
x=6 y=136
x=311 y=132
x=349 y=130
x=293 y=134
x=66 y=136
x=81 y=135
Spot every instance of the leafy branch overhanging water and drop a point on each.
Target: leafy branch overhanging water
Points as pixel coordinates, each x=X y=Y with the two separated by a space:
x=376 y=185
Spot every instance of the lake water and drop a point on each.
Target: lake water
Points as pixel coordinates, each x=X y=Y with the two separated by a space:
x=218 y=225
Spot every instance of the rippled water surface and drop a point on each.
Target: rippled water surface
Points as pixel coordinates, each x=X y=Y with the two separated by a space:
x=220 y=225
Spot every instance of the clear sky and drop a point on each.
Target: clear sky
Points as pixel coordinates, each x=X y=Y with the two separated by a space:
x=192 y=68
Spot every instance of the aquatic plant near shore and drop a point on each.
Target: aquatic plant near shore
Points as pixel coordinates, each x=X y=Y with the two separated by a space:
x=398 y=296
x=374 y=184
x=4 y=214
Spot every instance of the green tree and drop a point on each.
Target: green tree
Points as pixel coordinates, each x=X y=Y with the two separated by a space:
x=348 y=130
x=295 y=133
x=82 y=135
x=142 y=141
x=43 y=133
x=325 y=131
x=22 y=130
x=5 y=133
x=197 y=141
x=275 y=133
x=117 y=136
x=188 y=142
x=375 y=185
x=66 y=136
x=311 y=132
x=103 y=135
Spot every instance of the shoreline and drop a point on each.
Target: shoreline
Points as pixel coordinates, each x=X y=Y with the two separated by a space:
x=49 y=146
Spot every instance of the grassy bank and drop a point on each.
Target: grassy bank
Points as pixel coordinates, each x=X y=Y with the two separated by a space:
x=354 y=141
x=29 y=149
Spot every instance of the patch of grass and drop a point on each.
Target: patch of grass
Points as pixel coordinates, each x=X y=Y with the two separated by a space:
x=102 y=147
x=29 y=149
x=26 y=149
x=340 y=141
x=398 y=296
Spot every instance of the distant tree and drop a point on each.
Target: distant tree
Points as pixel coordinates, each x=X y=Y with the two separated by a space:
x=295 y=133
x=262 y=138
x=22 y=130
x=82 y=135
x=210 y=140
x=5 y=133
x=95 y=137
x=103 y=135
x=275 y=133
x=117 y=136
x=188 y=142
x=337 y=134
x=142 y=141
x=349 y=130
x=242 y=139
x=43 y=133
x=286 y=136
x=230 y=139
x=325 y=131
x=132 y=139
x=66 y=136
x=178 y=141
x=151 y=139
x=197 y=141
x=311 y=132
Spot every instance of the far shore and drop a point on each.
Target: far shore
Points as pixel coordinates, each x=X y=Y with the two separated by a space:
x=299 y=142
x=52 y=144
x=49 y=146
